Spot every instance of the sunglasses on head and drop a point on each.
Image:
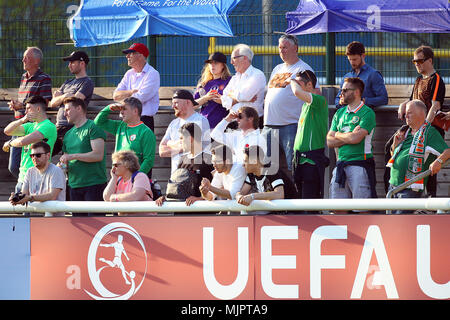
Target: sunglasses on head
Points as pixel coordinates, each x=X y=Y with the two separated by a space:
x=36 y=155
x=419 y=61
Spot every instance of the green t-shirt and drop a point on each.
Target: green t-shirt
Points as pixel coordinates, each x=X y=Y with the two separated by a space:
x=344 y=121
x=139 y=138
x=78 y=140
x=312 y=126
x=435 y=145
x=48 y=130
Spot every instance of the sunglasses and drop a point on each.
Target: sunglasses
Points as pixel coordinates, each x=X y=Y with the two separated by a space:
x=347 y=89
x=115 y=165
x=419 y=61
x=240 y=116
x=36 y=155
x=234 y=58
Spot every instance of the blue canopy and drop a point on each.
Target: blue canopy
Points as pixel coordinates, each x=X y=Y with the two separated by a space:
x=100 y=22
x=320 y=16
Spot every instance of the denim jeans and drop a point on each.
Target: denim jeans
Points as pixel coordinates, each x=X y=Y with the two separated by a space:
x=405 y=194
x=286 y=138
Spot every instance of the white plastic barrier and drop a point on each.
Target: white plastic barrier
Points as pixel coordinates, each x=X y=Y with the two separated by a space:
x=433 y=204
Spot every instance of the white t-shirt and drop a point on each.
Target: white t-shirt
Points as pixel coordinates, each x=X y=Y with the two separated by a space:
x=232 y=181
x=173 y=133
x=281 y=106
x=37 y=183
x=236 y=140
x=52 y=178
x=244 y=86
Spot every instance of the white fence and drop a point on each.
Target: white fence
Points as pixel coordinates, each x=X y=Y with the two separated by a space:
x=432 y=204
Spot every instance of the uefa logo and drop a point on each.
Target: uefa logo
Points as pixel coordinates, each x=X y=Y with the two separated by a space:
x=116 y=266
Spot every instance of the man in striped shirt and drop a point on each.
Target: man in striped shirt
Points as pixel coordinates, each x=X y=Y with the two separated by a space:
x=34 y=82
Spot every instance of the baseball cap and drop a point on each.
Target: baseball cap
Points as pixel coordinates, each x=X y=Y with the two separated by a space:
x=77 y=55
x=138 y=47
x=217 y=56
x=185 y=95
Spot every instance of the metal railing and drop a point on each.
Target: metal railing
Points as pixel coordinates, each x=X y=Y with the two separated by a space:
x=390 y=194
x=434 y=204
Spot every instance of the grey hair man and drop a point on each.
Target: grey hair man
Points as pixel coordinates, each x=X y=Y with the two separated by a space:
x=247 y=86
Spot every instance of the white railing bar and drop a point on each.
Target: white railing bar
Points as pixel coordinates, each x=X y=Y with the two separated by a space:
x=433 y=204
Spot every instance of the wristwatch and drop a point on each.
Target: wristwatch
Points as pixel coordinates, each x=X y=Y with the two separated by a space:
x=439 y=160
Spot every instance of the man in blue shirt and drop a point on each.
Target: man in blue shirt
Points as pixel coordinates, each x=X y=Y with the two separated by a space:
x=375 y=93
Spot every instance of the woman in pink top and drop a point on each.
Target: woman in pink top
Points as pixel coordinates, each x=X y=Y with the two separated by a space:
x=127 y=183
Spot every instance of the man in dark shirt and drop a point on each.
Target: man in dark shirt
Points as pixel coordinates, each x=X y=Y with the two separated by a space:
x=34 y=82
x=430 y=89
x=259 y=185
x=81 y=87
x=194 y=165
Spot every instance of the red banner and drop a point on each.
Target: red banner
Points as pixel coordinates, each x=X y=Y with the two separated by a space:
x=241 y=257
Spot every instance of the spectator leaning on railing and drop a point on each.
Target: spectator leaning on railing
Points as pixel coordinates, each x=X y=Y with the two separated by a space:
x=415 y=150
x=127 y=183
x=44 y=181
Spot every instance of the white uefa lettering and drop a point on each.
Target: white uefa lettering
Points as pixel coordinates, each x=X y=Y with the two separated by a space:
x=426 y=283
x=218 y=290
x=374 y=244
x=129 y=277
x=318 y=261
x=374 y=20
x=270 y=262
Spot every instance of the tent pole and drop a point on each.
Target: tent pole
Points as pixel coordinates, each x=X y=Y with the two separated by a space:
x=151 y=44
x=330 y=59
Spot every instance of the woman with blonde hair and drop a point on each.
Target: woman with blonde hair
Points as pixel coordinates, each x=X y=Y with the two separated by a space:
x=215 y=77
x=127 y=183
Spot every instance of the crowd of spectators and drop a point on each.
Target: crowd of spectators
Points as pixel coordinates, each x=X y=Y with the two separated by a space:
x=237 y=137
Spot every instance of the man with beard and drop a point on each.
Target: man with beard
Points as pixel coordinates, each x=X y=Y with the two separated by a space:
x=351 y=133
x=183 y=104
x=375 y=93
x=81 y=87
x=43 y=182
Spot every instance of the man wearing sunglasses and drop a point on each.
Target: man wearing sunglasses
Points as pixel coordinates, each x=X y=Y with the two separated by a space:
x=430 y=89
x=44 y=181
x=351 y=133
x=429 y=86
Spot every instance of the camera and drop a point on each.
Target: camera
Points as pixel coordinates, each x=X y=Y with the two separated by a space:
x=18 y=196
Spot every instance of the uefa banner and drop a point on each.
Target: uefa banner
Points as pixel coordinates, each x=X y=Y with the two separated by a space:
x=294 y=257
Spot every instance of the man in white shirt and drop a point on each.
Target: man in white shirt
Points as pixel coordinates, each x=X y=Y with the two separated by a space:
x=248 y=133
x=247 y=86
x=282 y=108
x=228 y=177
x=141 y=81
x=183 y=104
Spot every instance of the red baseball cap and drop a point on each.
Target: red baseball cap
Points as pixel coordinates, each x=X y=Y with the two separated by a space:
x=138 y=47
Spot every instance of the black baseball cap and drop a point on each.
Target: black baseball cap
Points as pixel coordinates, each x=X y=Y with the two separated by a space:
x=77 y=55
x=217 y=56
x=185 y=95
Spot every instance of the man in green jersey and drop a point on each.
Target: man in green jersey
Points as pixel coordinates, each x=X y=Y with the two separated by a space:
x=33 y=127
x=309 y=160
x=415 y=150
x=131 y=133
x=84 y=154
x=351 y=133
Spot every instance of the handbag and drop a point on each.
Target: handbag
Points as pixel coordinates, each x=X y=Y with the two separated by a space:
x=182 y=184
